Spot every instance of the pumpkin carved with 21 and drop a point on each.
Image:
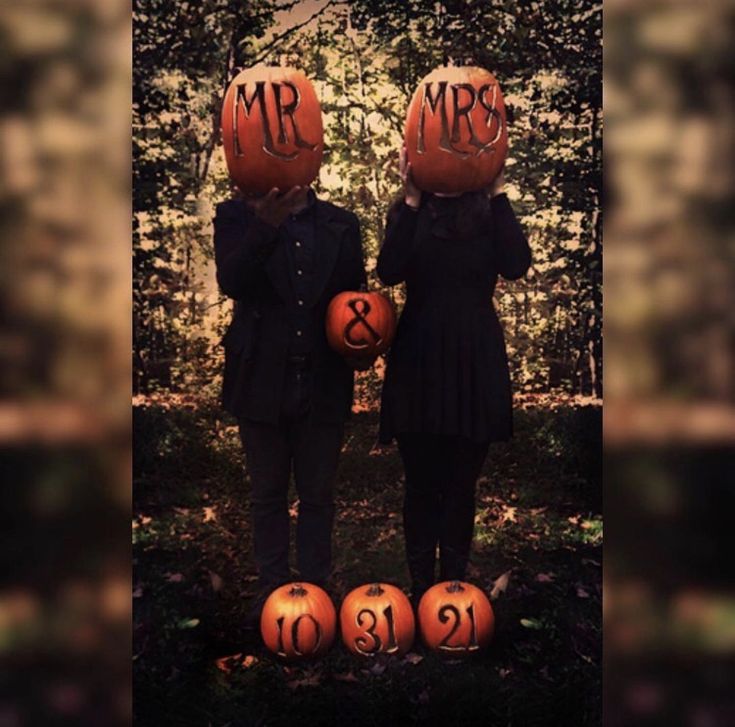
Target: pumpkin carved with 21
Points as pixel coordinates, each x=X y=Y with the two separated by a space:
x=456 y=618
x=298 y=620
x=456 y=133
x=272 y=129
x=377 y=619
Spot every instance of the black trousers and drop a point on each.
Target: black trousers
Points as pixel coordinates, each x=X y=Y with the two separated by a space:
x=439 y=504
x=309 y=449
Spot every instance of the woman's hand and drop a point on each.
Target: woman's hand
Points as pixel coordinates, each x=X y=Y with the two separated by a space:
x=411 y=193
x=273 y=208
x=497 y=186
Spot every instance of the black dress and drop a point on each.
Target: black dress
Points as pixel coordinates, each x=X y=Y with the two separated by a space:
x=447 y=372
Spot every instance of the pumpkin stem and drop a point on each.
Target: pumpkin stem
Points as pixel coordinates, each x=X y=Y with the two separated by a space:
x=455 y=587
x=297 y=591
x=375 y=590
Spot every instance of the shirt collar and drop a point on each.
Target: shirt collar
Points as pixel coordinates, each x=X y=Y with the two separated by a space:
x=310 y=204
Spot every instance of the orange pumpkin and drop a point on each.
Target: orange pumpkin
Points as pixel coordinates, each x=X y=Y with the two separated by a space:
x=375 y=619
x=298 y=620
x=456 y=133
x=272 y=129
x=360 y=324
x=456 y=618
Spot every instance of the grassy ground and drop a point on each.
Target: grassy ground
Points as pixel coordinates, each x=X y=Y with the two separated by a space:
x=538 y=522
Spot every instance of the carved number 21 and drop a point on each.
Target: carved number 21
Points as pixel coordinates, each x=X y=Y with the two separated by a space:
x=444 y=644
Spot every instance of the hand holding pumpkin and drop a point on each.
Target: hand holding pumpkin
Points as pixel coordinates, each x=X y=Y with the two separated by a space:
x=273 y=208
x=412 y=194
x=497 y=186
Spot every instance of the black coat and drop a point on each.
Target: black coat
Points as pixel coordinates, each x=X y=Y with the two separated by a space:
x=253 y=268
x=447 y=372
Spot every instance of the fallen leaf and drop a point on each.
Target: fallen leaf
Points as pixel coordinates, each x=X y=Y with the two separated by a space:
x=532 y=623
x=249 y=661
x=508 y=515
x=413 y=658
x=590 y=561
x=225 y=663
x=582 y=592
x=504 y=673
x=500 y=585
x=174 y=577
x=138 y=592
x=216 y=581
x=377 y=668
x=188 y=623
x=545 y=577
x=312 y=680
x=209 y=514
x=144 y=520
x=348 y=677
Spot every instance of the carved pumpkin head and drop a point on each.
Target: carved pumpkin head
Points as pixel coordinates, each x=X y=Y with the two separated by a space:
x=298 y=620
x=456 y=135
x=456 y=618
x=272 y=129
x=376 y=619
x=360 y=324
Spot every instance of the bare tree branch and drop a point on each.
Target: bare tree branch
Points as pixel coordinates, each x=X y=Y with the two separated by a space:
x=270 y=46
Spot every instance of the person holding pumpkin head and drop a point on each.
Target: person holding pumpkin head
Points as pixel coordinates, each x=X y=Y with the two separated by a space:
x=282 y=258
x=447 y=391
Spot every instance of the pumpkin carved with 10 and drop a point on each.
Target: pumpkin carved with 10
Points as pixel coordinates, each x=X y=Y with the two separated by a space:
x=456 y=133
x=298 y=620
x=272 y=129
x=456 y=618
x=377 y=618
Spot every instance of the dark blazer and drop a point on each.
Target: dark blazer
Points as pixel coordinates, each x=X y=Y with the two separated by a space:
x=253 y=268
x=447 y=371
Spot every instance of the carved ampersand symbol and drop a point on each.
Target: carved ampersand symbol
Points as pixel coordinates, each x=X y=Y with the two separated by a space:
x=360 y=307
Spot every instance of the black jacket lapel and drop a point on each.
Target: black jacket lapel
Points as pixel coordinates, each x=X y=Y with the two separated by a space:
x=329 y=234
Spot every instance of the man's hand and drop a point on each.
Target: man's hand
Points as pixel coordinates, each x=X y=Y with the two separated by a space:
x=361 y=363
x=273 y=208
x=411 y=193
x=497 y=186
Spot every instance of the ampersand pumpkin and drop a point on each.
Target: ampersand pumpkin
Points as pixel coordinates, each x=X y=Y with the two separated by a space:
x=456 y=618
x=377 y=619
x=272 y=129
x=456 y=134
x=360 y=324
x=298 y=620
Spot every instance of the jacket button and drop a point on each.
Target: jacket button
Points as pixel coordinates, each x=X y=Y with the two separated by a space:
x=299 y=272
x=298 y=333
x=301 y=302
x=298 y=244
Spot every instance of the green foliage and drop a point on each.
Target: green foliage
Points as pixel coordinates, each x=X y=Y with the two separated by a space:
x=194 y=663
x=366 y=58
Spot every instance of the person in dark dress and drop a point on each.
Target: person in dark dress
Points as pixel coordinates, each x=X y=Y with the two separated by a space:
x=447 y=390
x=282 y=258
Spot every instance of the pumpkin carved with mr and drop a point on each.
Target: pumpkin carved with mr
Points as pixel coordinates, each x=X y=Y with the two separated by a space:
x=272 y=129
